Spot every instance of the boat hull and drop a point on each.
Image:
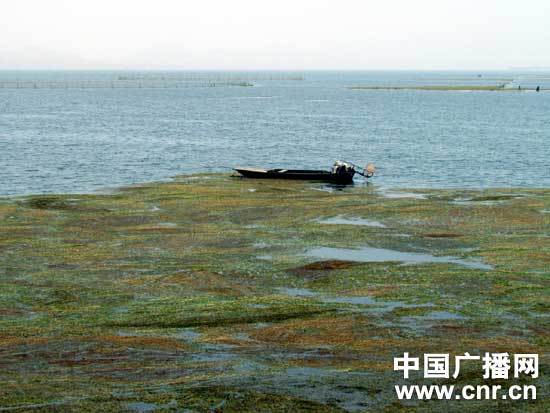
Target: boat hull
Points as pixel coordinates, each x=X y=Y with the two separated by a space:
x=297 y=174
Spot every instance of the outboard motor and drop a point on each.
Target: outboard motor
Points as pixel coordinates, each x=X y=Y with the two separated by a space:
x=370 y=170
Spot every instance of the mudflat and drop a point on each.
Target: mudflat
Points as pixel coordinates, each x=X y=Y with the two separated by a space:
x=212 y=293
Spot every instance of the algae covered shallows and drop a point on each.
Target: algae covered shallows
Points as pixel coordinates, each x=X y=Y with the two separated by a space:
x=154 y=297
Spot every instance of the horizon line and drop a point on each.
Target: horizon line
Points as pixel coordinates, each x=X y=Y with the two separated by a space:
x=141 y=69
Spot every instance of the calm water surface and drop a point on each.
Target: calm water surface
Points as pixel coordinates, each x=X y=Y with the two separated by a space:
x=85 y=139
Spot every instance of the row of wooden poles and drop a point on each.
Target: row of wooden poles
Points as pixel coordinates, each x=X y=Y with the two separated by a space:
x=211 y=77
x=113 y=84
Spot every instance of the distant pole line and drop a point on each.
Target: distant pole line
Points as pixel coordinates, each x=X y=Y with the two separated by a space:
x=152 y=81
x=109 y=84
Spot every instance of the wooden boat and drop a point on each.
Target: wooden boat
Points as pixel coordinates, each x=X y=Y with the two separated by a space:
x=342 y=173
x=298 y=174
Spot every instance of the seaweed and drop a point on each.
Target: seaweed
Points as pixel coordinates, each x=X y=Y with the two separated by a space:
x=100 y=293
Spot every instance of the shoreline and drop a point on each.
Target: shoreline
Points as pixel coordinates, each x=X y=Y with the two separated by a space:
x=373 y=182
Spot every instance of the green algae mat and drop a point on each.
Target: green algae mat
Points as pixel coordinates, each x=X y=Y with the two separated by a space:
x=214 y=293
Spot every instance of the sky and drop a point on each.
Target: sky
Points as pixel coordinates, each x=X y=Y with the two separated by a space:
x=274 y=34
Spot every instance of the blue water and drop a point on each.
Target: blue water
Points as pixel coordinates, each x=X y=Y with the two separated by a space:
x=81 y=140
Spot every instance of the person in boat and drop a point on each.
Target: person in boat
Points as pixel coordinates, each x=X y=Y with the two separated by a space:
x=538 y=88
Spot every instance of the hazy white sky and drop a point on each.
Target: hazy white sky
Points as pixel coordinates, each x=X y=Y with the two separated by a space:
x=275 y=34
